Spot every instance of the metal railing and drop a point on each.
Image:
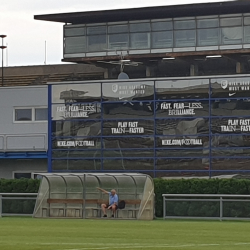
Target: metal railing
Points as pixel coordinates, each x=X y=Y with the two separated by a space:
x=16 y=206
x=206 y=206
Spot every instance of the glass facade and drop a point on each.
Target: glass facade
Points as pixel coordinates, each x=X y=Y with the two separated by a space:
x=152 y=36
x=160 y=127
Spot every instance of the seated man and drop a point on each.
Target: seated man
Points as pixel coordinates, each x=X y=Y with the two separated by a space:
x=113 y=202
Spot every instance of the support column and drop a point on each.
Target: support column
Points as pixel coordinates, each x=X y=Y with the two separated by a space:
x=194 y=70
x=240 y=67
x=106 y=73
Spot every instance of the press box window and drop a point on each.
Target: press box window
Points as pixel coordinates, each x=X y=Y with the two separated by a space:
x=23 y=114
x=30 y=114
x=41 y=114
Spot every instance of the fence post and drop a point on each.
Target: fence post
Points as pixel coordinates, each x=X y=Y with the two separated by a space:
x=1 y=205
x=221 y=208
x=164 y=207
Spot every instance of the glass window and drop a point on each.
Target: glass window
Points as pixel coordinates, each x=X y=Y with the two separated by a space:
x=181 y=164
x=41 y=114
x=234 y=21
x=128 y=110
x=128 y=153
x=75 y=44
x=163 y=39
x=77 y=165
x=175 y=151
x=21 y=175
x=140 y=40
x=207 y=23
x=128 y=127
x=179 y=109
x=23 y=114
x=231 y=35
x=96 y=30
x=182 y=89
x=231 y=107
x=247 y=21
x=70 y=145
x=128 y=164
x=185 y=24
x=128 y=91
x=247 y=34
x=230 y=163
x=118 y=41
x=184 y=38
x=76 y=111
x=71 y=93
x=158 y=26
x=74 y=31
x=139 y=27
x=230 y=87
x=128 y=142
x=208 y=37
x=229 y=140
x=185 y=127
x=234 y=125
x=114 y=29
x=97 y=43
x=76 y=128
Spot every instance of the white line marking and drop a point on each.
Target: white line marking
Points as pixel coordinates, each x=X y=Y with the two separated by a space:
x=159 y=246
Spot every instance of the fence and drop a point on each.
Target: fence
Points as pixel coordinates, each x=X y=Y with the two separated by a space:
x=206 y=206
x=17 y=204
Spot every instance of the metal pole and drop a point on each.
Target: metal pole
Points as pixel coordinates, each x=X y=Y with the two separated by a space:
x=221 y=208
x=164 y=207
x=2 y=60
x=2 y=47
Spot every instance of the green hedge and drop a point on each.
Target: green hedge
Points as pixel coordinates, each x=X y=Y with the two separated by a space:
x=202 y=186
x=19 y=186
x=183 y=186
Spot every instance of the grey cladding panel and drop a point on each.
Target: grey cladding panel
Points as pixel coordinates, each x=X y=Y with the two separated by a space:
x=34 y=142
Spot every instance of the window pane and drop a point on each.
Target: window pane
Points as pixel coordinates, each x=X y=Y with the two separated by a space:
x=157 y=26
x=184 y=38
x=162 y=39
x=75 y=44
x=247 y=21
x=208 y=37
x=96 y=30
x=71 y=31
x=22 y=175
x=139 y=27
x=208 y=23
x=118 y=29
x=41 y=114
x=23 y=115
x=118 y=41
x=140 y=40
x=187 y=24
x=231 y=21
x=247 y=34
x=232 y=35
x=97 y=43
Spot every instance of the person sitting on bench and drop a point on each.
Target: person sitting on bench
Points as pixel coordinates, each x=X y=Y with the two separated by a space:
x=113 y=202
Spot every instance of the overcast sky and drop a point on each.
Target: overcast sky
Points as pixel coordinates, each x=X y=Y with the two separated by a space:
x=26 y=37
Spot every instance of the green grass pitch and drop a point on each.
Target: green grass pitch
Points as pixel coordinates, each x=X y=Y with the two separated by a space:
x=72 y=234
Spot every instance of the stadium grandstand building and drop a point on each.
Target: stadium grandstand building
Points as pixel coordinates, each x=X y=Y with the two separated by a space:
x=166 y=91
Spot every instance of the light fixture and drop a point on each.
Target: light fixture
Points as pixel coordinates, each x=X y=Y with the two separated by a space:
x=214 y=56
x=168 y=58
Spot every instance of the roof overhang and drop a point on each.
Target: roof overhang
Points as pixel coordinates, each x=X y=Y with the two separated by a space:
x=188 y=10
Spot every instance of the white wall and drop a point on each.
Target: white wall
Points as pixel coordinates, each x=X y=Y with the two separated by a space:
x=25 y=136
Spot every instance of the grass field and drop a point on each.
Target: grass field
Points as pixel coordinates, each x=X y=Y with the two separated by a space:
x=70 y=234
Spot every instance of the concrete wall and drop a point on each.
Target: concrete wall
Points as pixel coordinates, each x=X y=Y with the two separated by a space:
x=22 y=136
x=8 y=166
